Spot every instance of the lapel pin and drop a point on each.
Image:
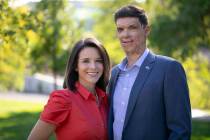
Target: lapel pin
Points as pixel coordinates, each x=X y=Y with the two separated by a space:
x=147 y=67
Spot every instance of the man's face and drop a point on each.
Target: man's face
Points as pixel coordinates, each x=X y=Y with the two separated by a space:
x=132 y=34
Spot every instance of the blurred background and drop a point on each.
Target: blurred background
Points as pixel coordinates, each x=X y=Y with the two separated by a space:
x=36 y=38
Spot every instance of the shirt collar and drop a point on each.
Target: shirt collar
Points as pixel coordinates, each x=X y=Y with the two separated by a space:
x=86 y=94
x=140 y=60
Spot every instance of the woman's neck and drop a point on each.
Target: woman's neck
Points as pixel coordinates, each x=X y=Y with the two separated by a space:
x=90 y=88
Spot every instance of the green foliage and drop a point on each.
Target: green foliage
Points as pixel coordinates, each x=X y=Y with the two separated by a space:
x=55 y=31
x=183 y=29
x=198 y=74
x=13 y=46
x=38 y=38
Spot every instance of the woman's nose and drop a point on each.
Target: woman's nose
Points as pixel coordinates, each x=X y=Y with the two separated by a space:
x=93 y=65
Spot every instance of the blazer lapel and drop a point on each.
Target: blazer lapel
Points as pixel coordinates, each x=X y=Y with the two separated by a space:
x=113 y=81
x=111 y=88
x=144 y=71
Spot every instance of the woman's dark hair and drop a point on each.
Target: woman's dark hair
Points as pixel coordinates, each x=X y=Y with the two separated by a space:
x=131 y=11
x=71 y=75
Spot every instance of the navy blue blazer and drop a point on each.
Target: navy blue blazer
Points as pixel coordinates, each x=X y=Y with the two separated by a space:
x=159 y=104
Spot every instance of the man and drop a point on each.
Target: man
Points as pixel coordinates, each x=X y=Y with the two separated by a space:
x=149 y=98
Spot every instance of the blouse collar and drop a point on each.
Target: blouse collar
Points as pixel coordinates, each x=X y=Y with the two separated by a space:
x=86 y=94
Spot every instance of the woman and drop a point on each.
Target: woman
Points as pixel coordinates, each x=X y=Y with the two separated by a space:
x=78 y=112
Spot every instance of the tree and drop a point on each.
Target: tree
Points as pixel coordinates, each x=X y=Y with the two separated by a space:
x=56 y=32
x=198 y=75
x=13 y=46
x=183 y=29
x=37 y=37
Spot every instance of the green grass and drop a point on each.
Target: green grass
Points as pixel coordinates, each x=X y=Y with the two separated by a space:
x=200 y=130
x=18 y=118
x=12 y=106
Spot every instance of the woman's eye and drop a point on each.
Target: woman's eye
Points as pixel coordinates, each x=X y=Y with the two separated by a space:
x=99 y=61
x=85 y=61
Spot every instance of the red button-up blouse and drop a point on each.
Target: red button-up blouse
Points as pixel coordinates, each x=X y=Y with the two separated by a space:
x=76 y=114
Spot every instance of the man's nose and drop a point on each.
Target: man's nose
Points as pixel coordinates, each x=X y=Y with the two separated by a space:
x=125 y=33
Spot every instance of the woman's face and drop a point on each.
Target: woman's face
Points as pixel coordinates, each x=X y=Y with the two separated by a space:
x=89 y=67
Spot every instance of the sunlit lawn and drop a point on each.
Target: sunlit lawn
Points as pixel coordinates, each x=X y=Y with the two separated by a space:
x=17 y=119
x=201 y=130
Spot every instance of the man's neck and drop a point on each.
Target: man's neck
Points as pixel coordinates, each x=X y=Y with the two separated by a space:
x=132 y=58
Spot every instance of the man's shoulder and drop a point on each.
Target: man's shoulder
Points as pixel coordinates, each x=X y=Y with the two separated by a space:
x=115 y=68
x=167 y=61
x=164 y=58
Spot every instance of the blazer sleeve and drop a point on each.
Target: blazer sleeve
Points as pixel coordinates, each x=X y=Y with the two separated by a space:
x=177 y=102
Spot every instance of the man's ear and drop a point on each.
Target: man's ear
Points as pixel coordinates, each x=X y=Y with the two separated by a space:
x=147 y=30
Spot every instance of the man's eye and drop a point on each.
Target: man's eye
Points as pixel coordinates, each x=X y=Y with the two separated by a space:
x=119 y=29
x=132 y=27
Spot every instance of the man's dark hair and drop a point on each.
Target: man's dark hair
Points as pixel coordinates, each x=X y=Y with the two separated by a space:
x=71 y=75
x=131 y=11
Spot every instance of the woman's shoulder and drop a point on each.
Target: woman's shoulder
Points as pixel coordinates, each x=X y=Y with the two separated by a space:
x=58 y=107
x=63 y=95
x=61 y=92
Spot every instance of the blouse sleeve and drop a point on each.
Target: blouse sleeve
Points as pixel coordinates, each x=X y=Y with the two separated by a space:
x=57 y=109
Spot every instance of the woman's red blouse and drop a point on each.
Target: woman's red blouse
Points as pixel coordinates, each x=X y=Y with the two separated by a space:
x=76 y=114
